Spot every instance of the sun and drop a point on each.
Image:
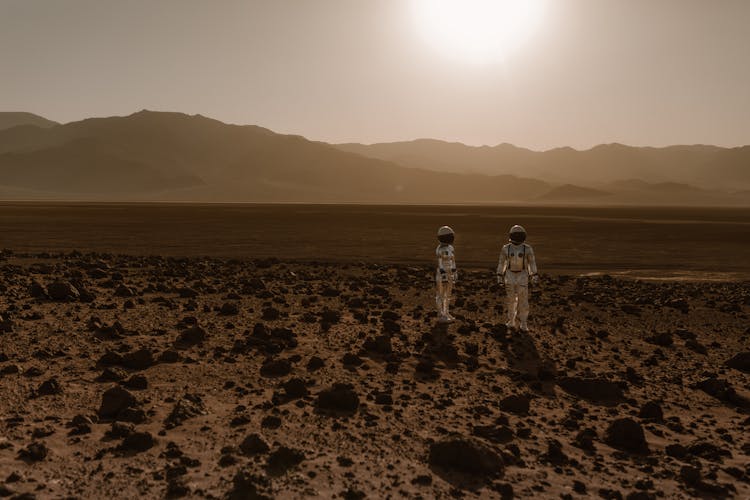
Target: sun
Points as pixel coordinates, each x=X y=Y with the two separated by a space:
x=477 y=30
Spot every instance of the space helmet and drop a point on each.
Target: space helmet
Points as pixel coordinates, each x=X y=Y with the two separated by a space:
x=445 y=235
x=517 y=234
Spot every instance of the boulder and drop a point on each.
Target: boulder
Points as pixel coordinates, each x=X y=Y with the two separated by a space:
x=626 y=434
x=465 y=455
x=339 y=398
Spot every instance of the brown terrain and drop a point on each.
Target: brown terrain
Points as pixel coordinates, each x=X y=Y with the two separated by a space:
x=290 y=365
x=163 y=156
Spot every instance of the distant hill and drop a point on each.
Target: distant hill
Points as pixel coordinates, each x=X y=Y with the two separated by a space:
x=571 y=193
x=151 y=156
x=706 y=166
x=173 y=156
x=10 y=119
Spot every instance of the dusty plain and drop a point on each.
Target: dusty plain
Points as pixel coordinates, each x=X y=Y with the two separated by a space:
x=240 y=351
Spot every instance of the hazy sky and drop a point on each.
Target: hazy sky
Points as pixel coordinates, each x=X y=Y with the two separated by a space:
x=641 y=72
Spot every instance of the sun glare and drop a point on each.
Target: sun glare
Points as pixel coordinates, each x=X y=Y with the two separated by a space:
x=477 y=30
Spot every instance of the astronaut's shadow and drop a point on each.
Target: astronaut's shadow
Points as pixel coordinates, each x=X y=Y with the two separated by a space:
x=439 y=344
x=527 y=364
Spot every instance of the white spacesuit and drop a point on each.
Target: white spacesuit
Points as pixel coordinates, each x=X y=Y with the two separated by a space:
x=517 y=265
x=445 y=275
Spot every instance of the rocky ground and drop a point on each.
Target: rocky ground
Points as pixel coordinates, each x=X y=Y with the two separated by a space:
x=125 y=376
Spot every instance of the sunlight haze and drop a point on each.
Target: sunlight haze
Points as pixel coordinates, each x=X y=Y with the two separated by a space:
x=585 y=72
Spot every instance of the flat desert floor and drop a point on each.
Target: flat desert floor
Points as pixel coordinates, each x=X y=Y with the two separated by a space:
x=293 y=351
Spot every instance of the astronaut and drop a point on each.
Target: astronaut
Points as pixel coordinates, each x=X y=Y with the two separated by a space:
x=446 y=275
x=516 y=268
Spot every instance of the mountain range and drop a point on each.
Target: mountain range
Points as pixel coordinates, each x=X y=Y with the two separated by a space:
x=162 y=156
x=709 y=167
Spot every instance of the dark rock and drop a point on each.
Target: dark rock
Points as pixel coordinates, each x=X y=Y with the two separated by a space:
x=379 y=345
x=275 y=368
x=723 y=391
x=37 y=291
x=517 y=404
x=246 y=486
x=740 y=361
x=707 y=450
x=189 y=406
x=114 y=402
x=555 y=454
x=34 y=452
x=295 y=388
x=229 y=309
x=136 y=382
x=626 y=434
x=62 y=290
x=696 y=346
x=270 y=422
x=661 y=339
x=124 y=291
x=651 y=411
x=465 y=455
x=110 y=358
x=49 y=387
x=120 y=430
x=350 y=359
x=283 y=459
x=339 y=398
x=271 y=314
x=112 y=374
x=6 y=325
x=676 y=450
x=690 y=475
x=500 y=434
x=315 y=363
x=592 y=389
x=138 y=360
x=138 y=442
x=254 y=445
x=191 y=336
x=169 y=356
x=187 y=293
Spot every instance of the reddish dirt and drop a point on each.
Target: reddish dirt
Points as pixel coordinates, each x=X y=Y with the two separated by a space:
x=206 y=377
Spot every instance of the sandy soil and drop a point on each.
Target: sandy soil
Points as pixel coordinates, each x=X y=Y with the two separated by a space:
x=655 y=242
x=207 y=377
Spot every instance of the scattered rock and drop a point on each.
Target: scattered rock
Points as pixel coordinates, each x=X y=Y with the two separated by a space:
x=626 y=434
x=339 y=398
x=49 y=388
x=191 y=336
x=592 y=389
x=189 y=406
x=518 y=404
x=723 y=391
x=114 y=402
x=651 y=411
x=62 y=290
x=740 y=361
x=229 y=309
x=34 y=452
x=465 y=455
x=275 y=368
x=283 y=459
x=138 y=442
x=254 y=445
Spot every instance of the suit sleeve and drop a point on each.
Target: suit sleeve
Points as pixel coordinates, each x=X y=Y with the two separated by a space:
x=502 y=264
x=531 y=261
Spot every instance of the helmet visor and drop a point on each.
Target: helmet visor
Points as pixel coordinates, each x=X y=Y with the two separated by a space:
x=517 y=237
x=446 y=238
